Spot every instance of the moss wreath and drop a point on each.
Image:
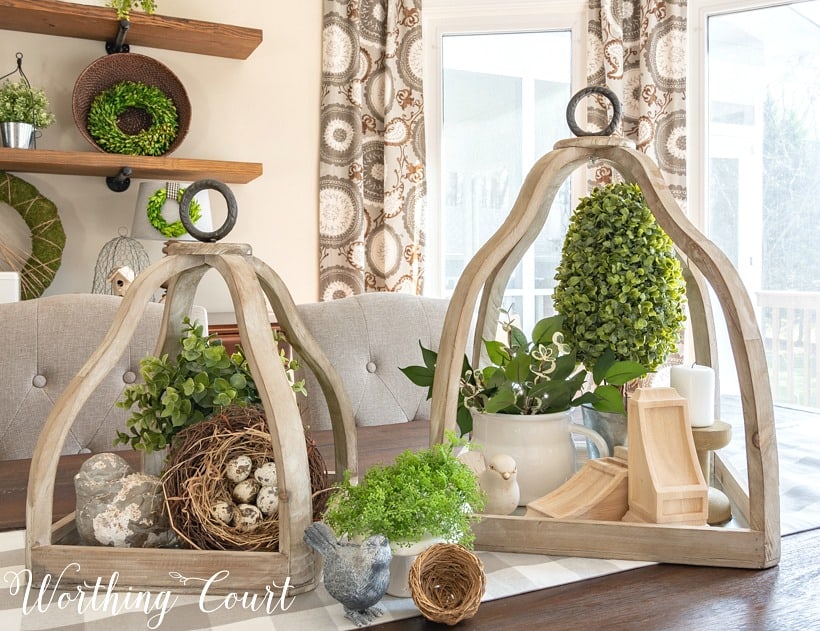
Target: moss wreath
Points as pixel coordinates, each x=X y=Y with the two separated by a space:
x=155 y=204
x=47 y=235
x=108 y=105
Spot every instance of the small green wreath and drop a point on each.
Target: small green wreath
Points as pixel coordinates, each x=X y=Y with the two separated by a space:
x=155 y=218
x=107 y=107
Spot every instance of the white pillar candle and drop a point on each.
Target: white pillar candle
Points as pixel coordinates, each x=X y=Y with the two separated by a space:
x=696 y=384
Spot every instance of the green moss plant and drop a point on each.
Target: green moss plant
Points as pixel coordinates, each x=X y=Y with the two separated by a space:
x=124 y=7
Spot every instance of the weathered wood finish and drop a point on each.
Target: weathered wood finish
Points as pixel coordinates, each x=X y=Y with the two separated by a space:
x=182 y=270
x=69 y=19
x=487 y=274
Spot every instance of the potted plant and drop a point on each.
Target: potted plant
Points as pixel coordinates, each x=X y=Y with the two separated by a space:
x=22 y=110
x=620 y=287
x=520 y=403
x=423 y=497
x=177 y=393
x=124 y=7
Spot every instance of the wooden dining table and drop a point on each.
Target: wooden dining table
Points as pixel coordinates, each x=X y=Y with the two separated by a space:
x=656 y=597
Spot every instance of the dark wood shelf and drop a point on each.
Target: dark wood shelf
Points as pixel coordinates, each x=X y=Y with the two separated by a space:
x=68 y=19
x=110 y=164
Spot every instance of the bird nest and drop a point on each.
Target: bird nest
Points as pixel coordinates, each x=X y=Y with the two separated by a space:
x=447 y=582
x=194 y=481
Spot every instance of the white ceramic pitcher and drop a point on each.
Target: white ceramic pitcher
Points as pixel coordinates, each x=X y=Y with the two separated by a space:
x=541 y=445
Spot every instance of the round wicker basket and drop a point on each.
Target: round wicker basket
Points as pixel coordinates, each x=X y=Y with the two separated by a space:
x=447 y=582
x=194 y=479
x=110 y=70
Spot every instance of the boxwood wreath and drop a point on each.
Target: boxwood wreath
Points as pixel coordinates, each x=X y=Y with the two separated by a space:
x=110 y=104
x=155 y=218
x=619 y=284
x=47 y=235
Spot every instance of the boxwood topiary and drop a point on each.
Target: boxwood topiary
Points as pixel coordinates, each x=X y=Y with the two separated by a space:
x=619 y=283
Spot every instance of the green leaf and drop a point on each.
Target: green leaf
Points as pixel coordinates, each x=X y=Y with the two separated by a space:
x=497 y=352
x=419 y=375
x=623 y=372
x=429 y=356
x=608 y=399
x=504 y=398
x=518 y=369
x=545 y=328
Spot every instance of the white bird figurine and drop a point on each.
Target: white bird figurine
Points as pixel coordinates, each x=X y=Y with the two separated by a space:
x=499 y=481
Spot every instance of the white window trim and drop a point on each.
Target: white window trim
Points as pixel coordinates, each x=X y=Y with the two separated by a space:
x=699 y=12
x=450 y=17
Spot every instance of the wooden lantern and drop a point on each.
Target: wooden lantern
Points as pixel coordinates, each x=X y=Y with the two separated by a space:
x=52 y=547
x=486 y=275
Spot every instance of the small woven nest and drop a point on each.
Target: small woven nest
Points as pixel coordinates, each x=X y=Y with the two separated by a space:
x=447 y=582
x=105 y=72
x=194 y=479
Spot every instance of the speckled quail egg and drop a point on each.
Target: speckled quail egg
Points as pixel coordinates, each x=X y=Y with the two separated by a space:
x=223 y=511
x=238 y=468
x=245 y=492
x=268 y=500
x=248 y=518
x=266 y=474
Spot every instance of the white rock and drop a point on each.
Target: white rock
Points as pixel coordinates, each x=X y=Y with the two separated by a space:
x=249 y=517
x=266 y=474
x=268 y=500
x=238 y=468
x=245 y=492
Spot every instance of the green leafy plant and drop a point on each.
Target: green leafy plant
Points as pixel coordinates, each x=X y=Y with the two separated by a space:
x=175 y=394
x=427 y=493
x=536 y=376
x=619 y=285
x=124 y=7
x=20 y=103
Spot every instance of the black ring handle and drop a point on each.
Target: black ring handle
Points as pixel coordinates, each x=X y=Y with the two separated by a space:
x=185 y=210
x=594 y=89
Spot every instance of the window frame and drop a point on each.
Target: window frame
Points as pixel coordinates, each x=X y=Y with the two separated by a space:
x=463 y=17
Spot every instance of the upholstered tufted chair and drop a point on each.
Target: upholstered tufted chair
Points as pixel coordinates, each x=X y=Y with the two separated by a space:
x=367 y=338
x=46 y=341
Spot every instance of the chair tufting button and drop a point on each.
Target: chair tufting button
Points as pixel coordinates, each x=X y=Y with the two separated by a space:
x=371 y=367
x=129 y=377
x=39 y=381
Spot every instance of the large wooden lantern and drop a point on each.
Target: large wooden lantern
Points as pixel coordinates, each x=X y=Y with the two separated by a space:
x=50 y=548
x=757 y=545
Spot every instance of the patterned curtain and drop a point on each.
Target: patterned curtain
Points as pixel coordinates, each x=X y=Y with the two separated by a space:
x=637 y=48
x=372 y=176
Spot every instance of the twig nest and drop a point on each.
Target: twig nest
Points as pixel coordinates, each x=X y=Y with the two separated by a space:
x=245 y=492
x=266 y=474
x=447 y=582
x=238 y=469
x=267 y=500
x=211 y=487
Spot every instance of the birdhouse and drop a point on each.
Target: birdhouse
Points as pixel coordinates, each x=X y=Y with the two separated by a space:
x=120 y=280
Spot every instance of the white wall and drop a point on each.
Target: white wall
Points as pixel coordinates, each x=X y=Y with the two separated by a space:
x=263 y=109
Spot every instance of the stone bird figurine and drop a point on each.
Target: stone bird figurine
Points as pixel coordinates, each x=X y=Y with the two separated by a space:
x=356 y=575
x=499 y=482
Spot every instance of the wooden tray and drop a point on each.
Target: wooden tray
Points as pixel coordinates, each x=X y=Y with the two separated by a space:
x=487 y=273
x=50 y=549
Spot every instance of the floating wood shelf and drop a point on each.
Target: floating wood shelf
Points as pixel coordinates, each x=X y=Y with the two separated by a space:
x=110 y=165
x=68 y=19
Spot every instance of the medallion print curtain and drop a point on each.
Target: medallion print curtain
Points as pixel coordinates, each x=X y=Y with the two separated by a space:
x=637 y=48
x=372 y=175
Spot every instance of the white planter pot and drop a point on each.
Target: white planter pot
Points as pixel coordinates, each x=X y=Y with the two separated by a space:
x=540 y=444
x=403 y=557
